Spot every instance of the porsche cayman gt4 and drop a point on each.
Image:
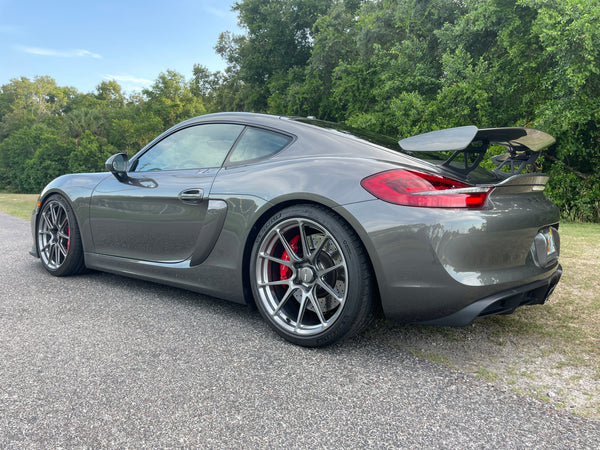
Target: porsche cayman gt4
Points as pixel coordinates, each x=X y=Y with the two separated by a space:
x=319 y=225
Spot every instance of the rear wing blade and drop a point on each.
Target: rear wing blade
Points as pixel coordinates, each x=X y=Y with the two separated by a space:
x=523 y=146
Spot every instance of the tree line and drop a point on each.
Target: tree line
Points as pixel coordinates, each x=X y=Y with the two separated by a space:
x=399 y=67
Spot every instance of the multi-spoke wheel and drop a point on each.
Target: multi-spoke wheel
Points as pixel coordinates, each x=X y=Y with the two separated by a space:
x=310 y=277
x=58 y=240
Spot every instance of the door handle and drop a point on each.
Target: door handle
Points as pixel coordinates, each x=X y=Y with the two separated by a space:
x=191 y=195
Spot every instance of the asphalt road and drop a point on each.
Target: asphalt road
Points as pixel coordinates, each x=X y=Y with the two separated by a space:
x=104 y=361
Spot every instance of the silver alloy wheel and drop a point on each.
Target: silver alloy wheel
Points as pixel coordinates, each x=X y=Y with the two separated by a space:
x=54 y=235
x=302 y=276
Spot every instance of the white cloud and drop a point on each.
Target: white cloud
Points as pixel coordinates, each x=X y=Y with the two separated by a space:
x=127 y=79
x=130 y=82
x=76 y=53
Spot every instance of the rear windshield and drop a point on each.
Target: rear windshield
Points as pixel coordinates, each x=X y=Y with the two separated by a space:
x=365 y=135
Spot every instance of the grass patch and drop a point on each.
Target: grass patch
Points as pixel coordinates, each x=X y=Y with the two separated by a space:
x=488 y=375
x=528 y=374
x=19 y=205
x=433 y=357
x=571 y=319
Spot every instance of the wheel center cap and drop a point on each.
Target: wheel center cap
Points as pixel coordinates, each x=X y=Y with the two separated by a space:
x=306 y=275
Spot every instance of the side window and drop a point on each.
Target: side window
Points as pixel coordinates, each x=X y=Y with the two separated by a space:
x=257 y=143
x=195 y=147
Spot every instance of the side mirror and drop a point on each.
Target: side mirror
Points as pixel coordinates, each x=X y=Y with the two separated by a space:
x=117 y=165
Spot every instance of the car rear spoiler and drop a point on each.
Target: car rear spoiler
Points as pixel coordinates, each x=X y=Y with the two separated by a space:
x=523 y=146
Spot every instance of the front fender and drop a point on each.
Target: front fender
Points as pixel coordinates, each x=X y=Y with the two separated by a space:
x=77 y=189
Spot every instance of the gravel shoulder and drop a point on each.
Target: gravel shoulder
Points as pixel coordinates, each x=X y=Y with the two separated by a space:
x=526 y=364
x=105 y=361
x=549 y=352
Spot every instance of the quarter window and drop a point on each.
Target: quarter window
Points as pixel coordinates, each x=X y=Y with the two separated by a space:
x=257 y=143
x=200 y=146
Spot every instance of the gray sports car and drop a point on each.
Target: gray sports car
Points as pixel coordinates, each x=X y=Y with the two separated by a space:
x=319 y=225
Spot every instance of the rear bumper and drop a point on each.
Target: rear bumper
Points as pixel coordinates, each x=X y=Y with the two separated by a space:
x=504 y=302
x=450 y=266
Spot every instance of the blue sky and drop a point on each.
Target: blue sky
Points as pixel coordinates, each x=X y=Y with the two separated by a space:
x=81 y=43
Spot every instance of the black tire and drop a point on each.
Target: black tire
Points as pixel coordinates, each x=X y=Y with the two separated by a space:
x=58 y=239
x=310 y=277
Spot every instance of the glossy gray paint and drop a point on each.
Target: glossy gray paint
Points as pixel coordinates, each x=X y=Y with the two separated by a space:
x=459 y=138
x=155 y=223
x=440 y=140
x=429 y=263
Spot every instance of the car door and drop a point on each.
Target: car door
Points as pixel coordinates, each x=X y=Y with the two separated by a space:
x=157 y=213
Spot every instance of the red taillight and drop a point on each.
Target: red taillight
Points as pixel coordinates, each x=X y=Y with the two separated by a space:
x=411 y=188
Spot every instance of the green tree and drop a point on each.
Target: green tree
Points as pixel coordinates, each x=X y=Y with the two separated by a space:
x=49 y=161
x=170 y=98
x=110 y=93
x=90 y=154
x=23 y=101
x=278 y=39
x=19 y=147
x=80 y=121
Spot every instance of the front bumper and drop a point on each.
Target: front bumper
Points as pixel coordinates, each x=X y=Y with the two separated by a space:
x=33 y=223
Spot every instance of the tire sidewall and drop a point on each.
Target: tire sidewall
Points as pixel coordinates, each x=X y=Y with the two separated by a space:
x=72 y=263
x=355 y=289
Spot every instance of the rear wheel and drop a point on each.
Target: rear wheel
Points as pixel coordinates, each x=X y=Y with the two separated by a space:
x=58 y=238
x=310 y=277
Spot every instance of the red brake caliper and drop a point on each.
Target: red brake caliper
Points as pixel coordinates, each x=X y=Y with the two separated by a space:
x=286 y=272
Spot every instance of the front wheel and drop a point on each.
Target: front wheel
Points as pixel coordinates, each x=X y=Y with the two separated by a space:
x=58 y=239
x=310 y=277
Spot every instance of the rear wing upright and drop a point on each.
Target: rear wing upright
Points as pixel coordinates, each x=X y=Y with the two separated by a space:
x=523 y=146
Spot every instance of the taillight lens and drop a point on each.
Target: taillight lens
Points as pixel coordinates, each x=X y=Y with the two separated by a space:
x=412 y=188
